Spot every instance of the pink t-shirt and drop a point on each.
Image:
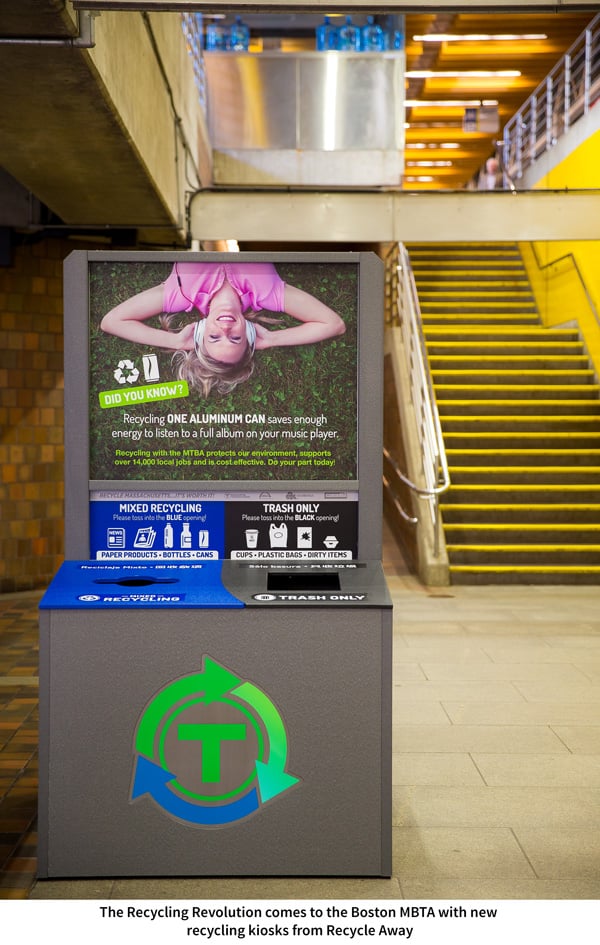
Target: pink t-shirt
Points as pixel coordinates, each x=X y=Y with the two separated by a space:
x=195 y=283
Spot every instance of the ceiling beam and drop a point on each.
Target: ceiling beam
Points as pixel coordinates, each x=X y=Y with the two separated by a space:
x=381 y=217
x=295 y=6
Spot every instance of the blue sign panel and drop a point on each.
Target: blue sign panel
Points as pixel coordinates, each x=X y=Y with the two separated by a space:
x=157 y=529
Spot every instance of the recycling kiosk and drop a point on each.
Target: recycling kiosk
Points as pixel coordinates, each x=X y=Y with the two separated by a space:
x=215 y=652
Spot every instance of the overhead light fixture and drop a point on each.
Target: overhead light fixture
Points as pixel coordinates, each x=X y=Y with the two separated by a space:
x=421 y=179
x=429 y=163
x=478 y=37
x=434 y=145
x=463 y=74
x=448 y=103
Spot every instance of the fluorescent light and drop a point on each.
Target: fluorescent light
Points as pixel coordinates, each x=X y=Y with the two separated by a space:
x=429 y=163
x=421 y=179
x=449 y=103
x=462 y=74
x=478 y=37
x=443 y=103
x=420 y=145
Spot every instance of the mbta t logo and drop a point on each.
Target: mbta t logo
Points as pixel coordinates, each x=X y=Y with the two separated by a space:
x=210 y=749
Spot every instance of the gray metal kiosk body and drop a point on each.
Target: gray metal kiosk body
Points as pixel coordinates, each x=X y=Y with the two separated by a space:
x=219 y=706
x=321 y=666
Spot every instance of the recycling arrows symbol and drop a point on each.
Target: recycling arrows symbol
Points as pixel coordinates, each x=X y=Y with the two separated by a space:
x=126 y=372
x=214 y=685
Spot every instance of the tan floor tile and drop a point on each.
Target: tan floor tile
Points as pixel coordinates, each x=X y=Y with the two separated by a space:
x=407 y=672
x=244 y=889
x=522 y=650
x=457 y=692
x=582 y=637
x=468 y=852
x=477 y=738
x=72 y=889
x=560 y=692
x=412 y=629
x=580 y=739
x=422 y=713
x=564 y=770
x=522 y=713
x=457 y=651
x=449 y=769
x=452 y=806
x=499 y=889
x=590 y=668
x=471 y=671
x=561 y=853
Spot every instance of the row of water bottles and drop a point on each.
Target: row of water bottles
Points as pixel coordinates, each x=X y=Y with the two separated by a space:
x=233 y=38
x=349 y=37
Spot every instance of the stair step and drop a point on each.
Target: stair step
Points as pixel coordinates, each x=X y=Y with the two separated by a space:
x=511 y=362
x=529 y=533
x=524 y=438
x=543 y=348
x=542 y=408
x=520 y=423
x=518 y=332
x=521 y=493
x=471 y=294
x=469 y=282
x=459 y=316
x=521 y=475
x=478 y=309
x=542 y=513
x=448 y=392
x=479 y=555
x=525 y=574
x=446 y=375
x=567 y=458
x=490 y=255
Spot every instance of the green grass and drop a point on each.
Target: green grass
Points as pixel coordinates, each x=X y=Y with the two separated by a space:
x=304 y=381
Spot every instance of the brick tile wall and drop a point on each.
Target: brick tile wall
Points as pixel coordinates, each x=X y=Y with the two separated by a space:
x=31 y=415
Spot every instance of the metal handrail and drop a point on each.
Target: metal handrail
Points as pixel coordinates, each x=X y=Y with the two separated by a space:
x=565 y=95
x=433 y=454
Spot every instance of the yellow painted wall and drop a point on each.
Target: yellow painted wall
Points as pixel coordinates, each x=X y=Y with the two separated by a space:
x=557 y=287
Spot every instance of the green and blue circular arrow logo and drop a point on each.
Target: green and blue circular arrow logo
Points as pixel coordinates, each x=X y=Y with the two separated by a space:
x=211 y=749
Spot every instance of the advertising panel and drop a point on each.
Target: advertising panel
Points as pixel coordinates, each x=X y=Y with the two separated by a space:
x=221 y=402
x=230 y=371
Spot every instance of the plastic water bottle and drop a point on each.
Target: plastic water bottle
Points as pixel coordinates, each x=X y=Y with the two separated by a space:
x=372 y=38
x=349 y=36
x=215 y=37
x=398 y=40
x=326 y=35
x=239 y=36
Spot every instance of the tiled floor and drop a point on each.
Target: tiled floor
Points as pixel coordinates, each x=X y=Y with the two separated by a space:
x=496 y=767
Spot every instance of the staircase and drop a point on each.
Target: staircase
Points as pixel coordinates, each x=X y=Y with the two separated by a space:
x=520 y=413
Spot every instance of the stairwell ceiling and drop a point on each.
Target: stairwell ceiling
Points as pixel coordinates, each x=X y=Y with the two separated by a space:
x=439 y=125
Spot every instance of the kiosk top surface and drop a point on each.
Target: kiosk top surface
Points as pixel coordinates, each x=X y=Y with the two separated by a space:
x=89 y=585
x=100 y=584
